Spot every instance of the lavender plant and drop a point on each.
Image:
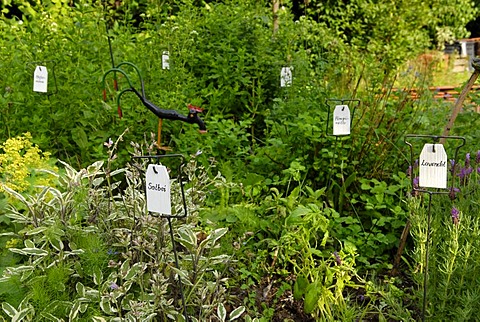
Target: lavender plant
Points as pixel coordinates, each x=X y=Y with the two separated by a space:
x=454 y=257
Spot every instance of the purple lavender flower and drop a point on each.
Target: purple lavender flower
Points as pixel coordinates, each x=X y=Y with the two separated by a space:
x=114 y=286
x=463 y=174
x=455 y=215
x=452 y=166
x=467 y=160
x=338 y=260
x=453 y=193
x=409 y=171
x=477 y=159
x=416 y=181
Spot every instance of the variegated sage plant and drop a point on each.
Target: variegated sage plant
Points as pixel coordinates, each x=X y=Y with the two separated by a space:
x=91 y=251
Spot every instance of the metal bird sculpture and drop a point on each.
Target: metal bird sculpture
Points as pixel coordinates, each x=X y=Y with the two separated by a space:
x=192 y=117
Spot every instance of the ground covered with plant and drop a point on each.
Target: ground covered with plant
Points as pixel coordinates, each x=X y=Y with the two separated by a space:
x=284 y=220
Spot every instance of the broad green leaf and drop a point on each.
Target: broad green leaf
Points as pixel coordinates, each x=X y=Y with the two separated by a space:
x=80 y=289
x=16 y=195
x=312 y=296
x=124 y=268
x=99 y=319
x=50 y=317
x=10 y=310
x=183 y=276
x=80 y=137
x=97 y=182
x=150 y=317
x=133 y=271
x=18 y=217
x=114 y=172
x=29 y=244
x=296 y=215
x=20 y=315
x=218 y=259
x=29 y=251
x=213 y=237
x=97 y=276
x=325 y=238
x=92 y=294
x=21 y=269
x=105 y=305
x=187 y=238
x=235 y=314
x=300 y=287
x=74 y=311
x=35 y=231
x=221 y=312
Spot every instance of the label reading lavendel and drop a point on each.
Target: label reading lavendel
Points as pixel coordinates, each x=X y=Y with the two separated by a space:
x=40 y=79
x=165 y=60
x=286 y=77
x=433 y=166
x=341 y=120
x=158 y=189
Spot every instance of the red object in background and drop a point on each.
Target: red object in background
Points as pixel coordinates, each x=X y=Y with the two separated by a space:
x=119 y=110
x=195 y=108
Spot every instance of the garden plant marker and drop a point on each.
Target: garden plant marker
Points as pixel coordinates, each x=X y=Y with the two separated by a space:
x=341 y=120
x=165 y=60
x=286 y=77
x=341 y=124
x=40 y=79
x=157 y=186
x=44 y=69
x=432 y=165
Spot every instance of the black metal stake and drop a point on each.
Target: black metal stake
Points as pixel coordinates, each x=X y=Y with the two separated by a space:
x=169 y=219
x=180 y=284
x=425 y=268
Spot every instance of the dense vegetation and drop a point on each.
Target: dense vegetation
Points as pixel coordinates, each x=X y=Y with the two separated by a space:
x=286 y=222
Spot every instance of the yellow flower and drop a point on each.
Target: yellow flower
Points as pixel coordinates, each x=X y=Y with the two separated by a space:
x=19 y=160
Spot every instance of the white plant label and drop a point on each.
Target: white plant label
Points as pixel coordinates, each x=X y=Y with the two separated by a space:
x=158 y=189
x=433 y=166
x=165 y=60
x=286 y=77
x=341 y=120
x=40 y=79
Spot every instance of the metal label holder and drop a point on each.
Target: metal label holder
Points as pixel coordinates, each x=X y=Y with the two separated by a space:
x=331 y=102
x=434 y=139
x=155 y=159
